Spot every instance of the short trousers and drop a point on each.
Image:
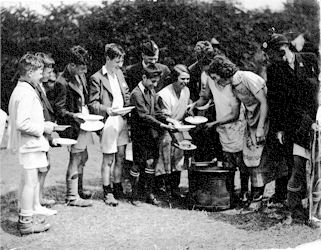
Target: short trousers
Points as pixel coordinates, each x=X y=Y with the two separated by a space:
x=33 y=160
x=114 y=136
x=84 y=139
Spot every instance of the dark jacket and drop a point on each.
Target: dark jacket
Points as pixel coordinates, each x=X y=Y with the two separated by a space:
x=69 y=101
x=146 y=117
x=100 y=97
x=134 y=73
x=292 y=97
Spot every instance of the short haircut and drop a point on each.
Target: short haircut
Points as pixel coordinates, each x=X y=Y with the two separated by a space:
x=78 y=55
x=149 y=48
x=29 y=62
x=113 y=50
x=47 y=60
x=223 y=67
x=177 y=70
x=152 y=71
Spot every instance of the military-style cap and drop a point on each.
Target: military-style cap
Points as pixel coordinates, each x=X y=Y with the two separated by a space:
x=149 y=48
x=275 y=41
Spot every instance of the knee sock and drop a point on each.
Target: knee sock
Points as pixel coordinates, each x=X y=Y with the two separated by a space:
x=107 y=190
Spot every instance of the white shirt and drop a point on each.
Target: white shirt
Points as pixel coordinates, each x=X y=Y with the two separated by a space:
x=118 y=100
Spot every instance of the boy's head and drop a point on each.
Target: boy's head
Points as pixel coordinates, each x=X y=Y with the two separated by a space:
x=78 y=60
x=30 y=67
x=48 y=65
x=222 y=70
x=114 y=54
x=150 y=52
x=151 y=76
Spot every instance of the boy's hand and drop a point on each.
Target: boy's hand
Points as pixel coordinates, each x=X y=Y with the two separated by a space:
x=77 y=118
x=49 y=127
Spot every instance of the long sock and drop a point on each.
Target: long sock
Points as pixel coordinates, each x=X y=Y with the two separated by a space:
x=107 y=190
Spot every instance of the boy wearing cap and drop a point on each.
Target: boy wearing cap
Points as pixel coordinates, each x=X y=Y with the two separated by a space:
x=150 y=54
x=108 y=91
x=71 y=102
x=293 y=86
x=146 y=122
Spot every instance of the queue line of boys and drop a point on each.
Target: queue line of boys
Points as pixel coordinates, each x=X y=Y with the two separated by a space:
x=240 y=102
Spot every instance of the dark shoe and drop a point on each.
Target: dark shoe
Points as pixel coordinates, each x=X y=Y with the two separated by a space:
x=79 y=203
x=85 y=194
x=151 y=199
x=110 y=200
x=26 y=225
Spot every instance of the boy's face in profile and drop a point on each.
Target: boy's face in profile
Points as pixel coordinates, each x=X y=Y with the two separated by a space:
x=79 y=69
x=35 y=75
x=47 y=71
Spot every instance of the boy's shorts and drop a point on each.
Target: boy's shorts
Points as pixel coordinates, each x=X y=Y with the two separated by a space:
x=84 y=139
x=33 y=160
x=113 y=135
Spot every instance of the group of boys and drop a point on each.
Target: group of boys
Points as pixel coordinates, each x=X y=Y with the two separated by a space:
x=70 y=97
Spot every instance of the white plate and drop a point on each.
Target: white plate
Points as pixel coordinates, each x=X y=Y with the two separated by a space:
x=91 y=117
x=123 y=111
x=196 y=119
x=183 y=128
x=64 y=141
x=92 y=125
x=61 y=127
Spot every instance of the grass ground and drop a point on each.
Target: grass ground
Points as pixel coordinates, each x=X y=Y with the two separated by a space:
x=135 y=227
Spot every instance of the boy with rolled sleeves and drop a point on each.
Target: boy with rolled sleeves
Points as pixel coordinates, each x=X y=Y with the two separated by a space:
x=27 y=127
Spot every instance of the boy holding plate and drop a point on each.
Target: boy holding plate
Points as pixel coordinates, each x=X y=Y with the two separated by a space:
x=70 y=105
x=109 y=91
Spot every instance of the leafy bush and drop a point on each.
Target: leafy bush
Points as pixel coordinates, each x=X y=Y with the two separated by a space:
x=175 y=26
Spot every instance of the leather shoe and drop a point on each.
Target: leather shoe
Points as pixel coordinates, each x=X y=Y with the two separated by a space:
x=85 y=194
x=151 y=199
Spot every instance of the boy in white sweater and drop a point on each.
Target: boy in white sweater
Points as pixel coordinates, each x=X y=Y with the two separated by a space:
x=26 y=135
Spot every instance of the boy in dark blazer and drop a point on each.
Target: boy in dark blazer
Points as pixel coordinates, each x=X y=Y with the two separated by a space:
x=72 y=99
x=147 y=121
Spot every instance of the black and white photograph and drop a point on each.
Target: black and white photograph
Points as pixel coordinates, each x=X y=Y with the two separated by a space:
x=160 y=124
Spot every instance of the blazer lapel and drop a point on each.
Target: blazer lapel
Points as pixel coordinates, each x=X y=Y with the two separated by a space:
x=73 y=84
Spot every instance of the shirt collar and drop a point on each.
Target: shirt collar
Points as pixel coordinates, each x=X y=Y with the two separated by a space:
x=104 y=70
x=141 y=86
x=144 y=64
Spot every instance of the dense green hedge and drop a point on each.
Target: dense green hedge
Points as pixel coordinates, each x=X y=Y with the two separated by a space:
x=175 y=26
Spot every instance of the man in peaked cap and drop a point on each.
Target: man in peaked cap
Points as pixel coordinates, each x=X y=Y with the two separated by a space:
x=292 y=95
x=150 y=54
